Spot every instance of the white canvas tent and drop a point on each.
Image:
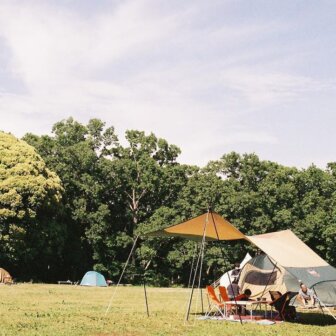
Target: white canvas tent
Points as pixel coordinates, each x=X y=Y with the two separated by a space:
x=224 y=279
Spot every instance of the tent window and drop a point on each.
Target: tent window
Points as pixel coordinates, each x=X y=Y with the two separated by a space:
x=261 y=279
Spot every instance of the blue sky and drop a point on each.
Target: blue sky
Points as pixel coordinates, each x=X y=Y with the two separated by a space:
x=208 y=76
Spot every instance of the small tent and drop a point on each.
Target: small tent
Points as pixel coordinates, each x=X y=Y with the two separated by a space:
x=5 y=277
x=93 y=278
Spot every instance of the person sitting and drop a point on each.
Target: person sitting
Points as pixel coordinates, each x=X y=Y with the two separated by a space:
x=241 y=309
x=244 y=296
x=306 y=296
x=233 y=289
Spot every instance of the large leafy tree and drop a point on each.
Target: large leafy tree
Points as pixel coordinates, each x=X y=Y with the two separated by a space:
x=113 y=192
x=77 y=153
x=30 y=234
x=257 y=197
x=147 y=178
x=110 y=189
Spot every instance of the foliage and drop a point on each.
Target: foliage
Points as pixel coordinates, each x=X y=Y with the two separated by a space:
x=109 y=189
x=116 y=190
x=29 y=195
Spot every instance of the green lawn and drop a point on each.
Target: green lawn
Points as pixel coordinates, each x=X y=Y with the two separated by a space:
x=73 y=310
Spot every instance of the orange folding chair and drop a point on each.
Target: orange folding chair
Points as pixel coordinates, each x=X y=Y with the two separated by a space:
x=215 y=304
x=223 y=294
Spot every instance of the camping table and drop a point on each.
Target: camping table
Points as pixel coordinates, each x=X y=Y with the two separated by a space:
x=265 y=303
x=68 y=282
x=248 y=303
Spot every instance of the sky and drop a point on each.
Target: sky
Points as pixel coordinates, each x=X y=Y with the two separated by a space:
x=209 y=76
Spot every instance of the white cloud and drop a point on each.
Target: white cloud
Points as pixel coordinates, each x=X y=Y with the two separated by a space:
x=142 y=65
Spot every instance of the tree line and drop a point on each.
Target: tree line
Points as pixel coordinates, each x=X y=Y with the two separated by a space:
x=76 y=199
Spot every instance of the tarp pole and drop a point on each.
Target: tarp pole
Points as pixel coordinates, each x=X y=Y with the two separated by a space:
x=121 y=275
x=268 y=281
x=318 y=300
x=213 y=219
x=200 y=278
x=193 y=284
x=321 y=303
x=198 y=259
x=144 y=286
x=192 y=265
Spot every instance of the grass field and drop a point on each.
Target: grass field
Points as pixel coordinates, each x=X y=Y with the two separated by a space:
x=73 y=310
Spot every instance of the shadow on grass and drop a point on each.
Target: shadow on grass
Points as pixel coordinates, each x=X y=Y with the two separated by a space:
x=315 y=318
x=305 y=318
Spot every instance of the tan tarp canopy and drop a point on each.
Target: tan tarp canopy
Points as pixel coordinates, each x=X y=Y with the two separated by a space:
x=211 y=225
x=285 y=248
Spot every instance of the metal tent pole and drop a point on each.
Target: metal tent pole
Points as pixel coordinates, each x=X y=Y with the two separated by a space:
x=197 y=265
x=192 y=265
x=213 y=219
x=121 y=275
x=146 y=300
x=268 y=281
x=322 y=304
x=200 y=278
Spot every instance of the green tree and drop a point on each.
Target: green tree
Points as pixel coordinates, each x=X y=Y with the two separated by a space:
x=77 y=153
x=29 y=195
x=147 y=177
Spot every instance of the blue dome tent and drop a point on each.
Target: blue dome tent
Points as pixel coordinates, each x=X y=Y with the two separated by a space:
x=93 y=278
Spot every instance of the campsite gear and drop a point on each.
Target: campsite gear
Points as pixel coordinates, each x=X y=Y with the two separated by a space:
x=5 y=277
x=282 y=304
x=207 y=227
x=210 y=225
x=215 y=304
x=300 y=262
x=295 y=263
x=93 y=278
x=283 y=248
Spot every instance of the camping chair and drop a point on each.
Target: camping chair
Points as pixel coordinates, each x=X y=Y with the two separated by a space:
x=223 y=294
x=281 y=304
x=225 y=298
x=215 y=304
